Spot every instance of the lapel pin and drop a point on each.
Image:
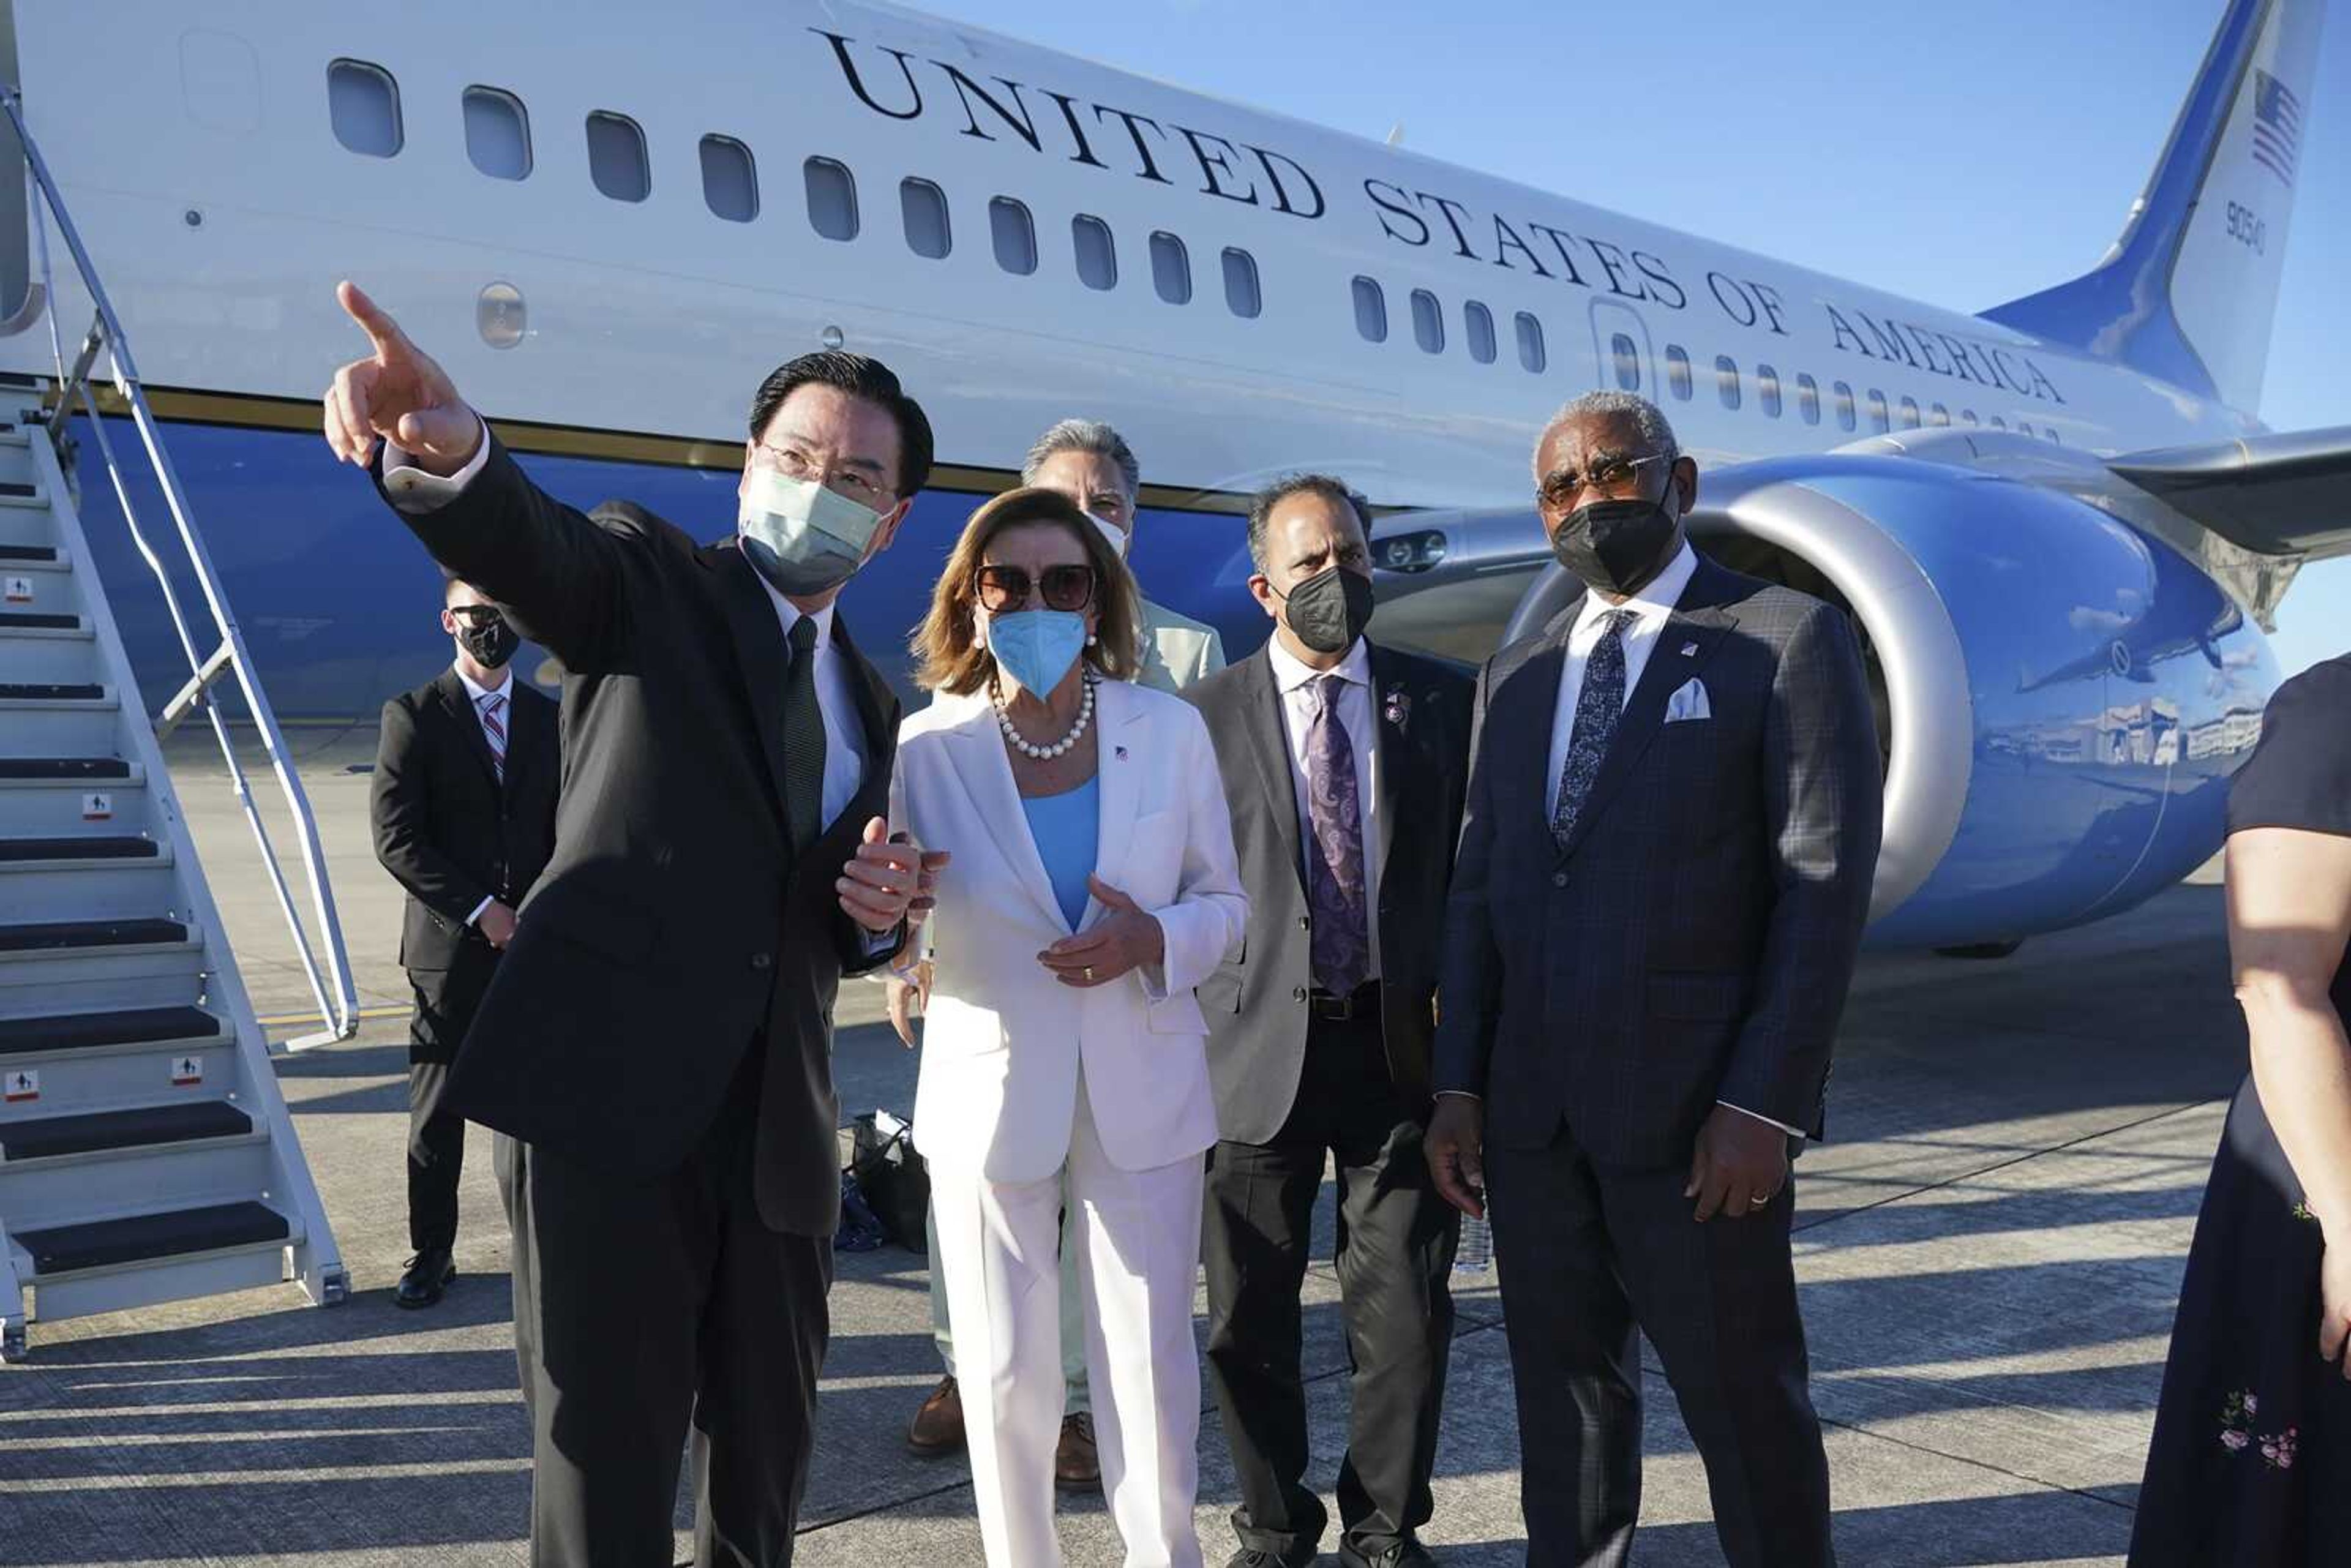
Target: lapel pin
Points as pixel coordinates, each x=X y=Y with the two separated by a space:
x=1689 y=650
x=1119 y=752
x=1398 y=708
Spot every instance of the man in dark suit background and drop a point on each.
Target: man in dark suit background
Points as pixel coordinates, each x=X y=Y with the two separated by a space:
x=1344 y=764
x=1664 y=869
x=657 y=1041
x=463 y=806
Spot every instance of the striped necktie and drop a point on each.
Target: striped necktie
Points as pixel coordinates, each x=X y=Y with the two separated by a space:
x=494 y=730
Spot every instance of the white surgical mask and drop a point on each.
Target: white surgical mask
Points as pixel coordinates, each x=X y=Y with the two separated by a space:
x=1112 y=532
x=803 y=537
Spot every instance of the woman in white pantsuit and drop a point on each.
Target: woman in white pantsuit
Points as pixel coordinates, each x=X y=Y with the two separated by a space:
x=1093 y=885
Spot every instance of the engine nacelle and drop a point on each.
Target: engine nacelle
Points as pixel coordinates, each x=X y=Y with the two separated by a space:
x=2061 y=698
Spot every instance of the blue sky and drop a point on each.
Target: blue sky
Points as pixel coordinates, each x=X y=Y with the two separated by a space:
x=1961 y=156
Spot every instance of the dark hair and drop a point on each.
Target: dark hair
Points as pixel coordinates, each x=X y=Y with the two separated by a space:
x=860 y=377
x=1334 y=490
x=950 y=661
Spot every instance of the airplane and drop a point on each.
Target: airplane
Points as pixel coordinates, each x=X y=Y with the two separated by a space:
x=2058 y=525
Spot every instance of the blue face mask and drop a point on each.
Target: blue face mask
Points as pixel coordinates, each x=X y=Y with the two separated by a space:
x=1037 y=647
x=802 y=537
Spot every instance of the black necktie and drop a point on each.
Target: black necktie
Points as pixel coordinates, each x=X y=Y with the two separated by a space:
x=803 y=740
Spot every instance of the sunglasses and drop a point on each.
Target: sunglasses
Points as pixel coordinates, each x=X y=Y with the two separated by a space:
x=1006 y=588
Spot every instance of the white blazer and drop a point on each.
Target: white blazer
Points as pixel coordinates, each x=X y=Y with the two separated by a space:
x=1003 y=1039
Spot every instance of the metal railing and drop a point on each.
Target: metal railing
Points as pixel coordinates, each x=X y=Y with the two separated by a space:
x=331 y=987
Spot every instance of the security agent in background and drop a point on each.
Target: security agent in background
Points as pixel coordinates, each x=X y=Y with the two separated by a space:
x=463 y=808
x=658 y=1043
x=1344 y=765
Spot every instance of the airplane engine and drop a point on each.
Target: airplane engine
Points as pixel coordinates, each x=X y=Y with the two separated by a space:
x=2060 y=697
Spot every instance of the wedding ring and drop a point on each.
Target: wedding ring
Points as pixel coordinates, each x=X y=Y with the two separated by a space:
x=1760 y=1199
x=1090 y=971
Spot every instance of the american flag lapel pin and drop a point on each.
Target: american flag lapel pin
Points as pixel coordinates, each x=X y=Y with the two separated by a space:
x=1119 y=752
x=1689 y=650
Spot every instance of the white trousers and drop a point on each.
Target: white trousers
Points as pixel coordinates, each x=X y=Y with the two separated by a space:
x=1136 y=1235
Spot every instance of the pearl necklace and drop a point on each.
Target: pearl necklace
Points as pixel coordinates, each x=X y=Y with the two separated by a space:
x=1015 y=739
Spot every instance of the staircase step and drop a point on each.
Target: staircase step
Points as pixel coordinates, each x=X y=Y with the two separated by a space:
x=93 y=1031
x=51 y=692
x=79 y=847
x=146 y=1127
x=14 y=493
x=68 y=769
x=101 y=1243
x=29 y=555
x=66 y=935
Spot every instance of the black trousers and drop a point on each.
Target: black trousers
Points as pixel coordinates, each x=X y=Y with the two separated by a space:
x=445 y=1002
x=641 y=1308
x=1394 y=1257
x=1590 y=1258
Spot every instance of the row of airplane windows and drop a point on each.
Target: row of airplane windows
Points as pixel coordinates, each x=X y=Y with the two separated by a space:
x=364 y=106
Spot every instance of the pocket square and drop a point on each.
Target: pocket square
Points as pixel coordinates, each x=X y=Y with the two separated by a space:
x=1688 y=702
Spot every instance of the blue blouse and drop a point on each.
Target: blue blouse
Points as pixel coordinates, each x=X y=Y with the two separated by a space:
x=1067 y=830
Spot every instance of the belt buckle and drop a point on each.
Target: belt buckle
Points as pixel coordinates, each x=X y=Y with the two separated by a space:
x=1337 y=1009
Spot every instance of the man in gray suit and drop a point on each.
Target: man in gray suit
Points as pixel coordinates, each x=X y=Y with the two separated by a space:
x=1664 y=869
x=1344 y=765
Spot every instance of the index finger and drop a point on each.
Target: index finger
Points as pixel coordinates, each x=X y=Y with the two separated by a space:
x=902 y=857
x=381 y=330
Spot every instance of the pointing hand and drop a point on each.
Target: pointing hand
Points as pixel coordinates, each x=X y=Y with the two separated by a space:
x=397 y=395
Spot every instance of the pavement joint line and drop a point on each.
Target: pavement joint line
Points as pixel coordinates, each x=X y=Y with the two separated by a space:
x=1958 y=1177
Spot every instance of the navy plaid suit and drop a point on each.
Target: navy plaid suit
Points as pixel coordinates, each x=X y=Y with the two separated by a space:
x=1691 y=943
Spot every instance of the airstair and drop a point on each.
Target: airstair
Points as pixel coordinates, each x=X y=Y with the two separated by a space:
x=146 y=1153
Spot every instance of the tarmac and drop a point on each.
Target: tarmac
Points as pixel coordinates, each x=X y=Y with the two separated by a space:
x=1990 y=1247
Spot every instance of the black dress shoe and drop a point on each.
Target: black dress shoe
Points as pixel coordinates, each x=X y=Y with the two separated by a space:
x=1405 y=1553
x=1256 y=1557
x=429 y=1273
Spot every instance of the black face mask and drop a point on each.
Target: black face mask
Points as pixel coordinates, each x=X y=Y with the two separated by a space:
x=1616 y=546
x=1330 y=610
x=491 y=643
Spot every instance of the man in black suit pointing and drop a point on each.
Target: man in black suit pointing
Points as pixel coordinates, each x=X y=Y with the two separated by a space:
x=658 y=1040
x=463 y=804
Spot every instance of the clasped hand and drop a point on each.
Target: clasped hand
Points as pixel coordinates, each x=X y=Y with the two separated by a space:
x=1129 y=939
x=889 y=879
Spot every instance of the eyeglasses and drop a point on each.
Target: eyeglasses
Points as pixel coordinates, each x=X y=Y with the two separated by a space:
x=1614 y=478
x=794 y=464
x=1006 y=588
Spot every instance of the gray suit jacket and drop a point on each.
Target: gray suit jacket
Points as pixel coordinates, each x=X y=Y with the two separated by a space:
x=1256 y=1000
x=1176 y=649
x=1694 y=939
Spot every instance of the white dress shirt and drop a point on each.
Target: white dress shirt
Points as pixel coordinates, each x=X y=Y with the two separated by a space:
x=1295 y=680
x=479 y=694
x=1649 y=609
x=413 y=489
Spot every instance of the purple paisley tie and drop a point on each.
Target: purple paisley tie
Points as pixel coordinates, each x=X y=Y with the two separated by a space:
x=1334 y=864
x=1597 y=708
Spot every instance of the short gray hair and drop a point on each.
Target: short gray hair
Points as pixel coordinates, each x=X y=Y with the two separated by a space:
x=1088 y=436
x=1644 y=416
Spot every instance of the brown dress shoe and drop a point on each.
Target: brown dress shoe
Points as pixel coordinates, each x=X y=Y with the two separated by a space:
x=938 y=1424
x=1076 y=1465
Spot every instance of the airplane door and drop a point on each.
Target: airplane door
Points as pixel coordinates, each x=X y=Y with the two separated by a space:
x=1620 y=347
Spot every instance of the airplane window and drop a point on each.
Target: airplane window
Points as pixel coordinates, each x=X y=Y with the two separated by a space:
x=364 y=106
x=1997 y=423
x=1725 y=379
x=1371 y=312
x=497 y=133
x=2022 y=428
x=1938 y=415
x=1911 y=414
x=1677 y=372
x=1878 y=419
x=1241 y=294
x=1767 y=389
x=1808 y=398
x=730 y=181
x=2052 y=434
x=1628 y=362
x=1015 y=235
x=923 y=208
x=1530 y=344
x=1478 y=325
x=1969 y=414
x=1427 y=322
x=1843 y=392
x=831 y=198
x=1171 y=268
x=1097 y=251
x=616 y=157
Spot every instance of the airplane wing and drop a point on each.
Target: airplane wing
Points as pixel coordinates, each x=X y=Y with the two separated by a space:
x=2275 y=495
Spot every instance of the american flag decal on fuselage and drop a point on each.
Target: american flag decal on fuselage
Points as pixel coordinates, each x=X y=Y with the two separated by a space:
x=2277 y=126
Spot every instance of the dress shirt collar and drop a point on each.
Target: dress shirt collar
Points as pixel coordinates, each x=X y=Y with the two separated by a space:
x=1654 y=603
x=476 y=690
x=1290 y=672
